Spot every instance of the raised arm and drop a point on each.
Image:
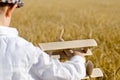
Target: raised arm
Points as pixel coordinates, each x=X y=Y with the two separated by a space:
x=52 y=69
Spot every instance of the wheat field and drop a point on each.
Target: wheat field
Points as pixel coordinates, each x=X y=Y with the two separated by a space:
x=42 y=20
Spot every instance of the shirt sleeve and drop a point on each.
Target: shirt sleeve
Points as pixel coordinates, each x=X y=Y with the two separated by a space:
x=52 y=69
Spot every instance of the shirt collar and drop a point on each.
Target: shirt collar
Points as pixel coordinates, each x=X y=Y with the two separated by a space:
x=8 y=31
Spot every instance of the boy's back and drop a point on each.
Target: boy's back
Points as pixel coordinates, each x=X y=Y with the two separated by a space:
x=16 y=54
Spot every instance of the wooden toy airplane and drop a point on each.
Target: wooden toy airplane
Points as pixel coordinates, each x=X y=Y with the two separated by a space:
x=68 y=46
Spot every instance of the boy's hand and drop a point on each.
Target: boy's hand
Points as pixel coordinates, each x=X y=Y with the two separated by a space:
x=70 y=53
x=78 y=53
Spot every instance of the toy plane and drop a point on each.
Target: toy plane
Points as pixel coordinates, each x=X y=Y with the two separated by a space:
x=68 y=47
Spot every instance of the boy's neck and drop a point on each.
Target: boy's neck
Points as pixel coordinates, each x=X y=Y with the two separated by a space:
x=3 y=22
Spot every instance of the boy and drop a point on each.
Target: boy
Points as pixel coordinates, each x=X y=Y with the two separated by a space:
x=20 y=60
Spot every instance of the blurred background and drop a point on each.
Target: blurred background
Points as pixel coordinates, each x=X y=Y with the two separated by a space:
x=42 y=20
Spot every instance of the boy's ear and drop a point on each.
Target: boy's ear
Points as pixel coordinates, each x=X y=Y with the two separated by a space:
x=10 y=10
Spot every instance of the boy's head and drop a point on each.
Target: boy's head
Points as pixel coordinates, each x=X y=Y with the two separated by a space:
x=6 y=9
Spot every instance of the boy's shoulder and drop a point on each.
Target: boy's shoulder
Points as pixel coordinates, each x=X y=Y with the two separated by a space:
x=23 y=43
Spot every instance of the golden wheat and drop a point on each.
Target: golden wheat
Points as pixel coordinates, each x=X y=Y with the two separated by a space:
x=42 y=21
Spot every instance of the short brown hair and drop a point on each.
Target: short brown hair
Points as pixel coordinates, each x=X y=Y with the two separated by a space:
x=3 y=5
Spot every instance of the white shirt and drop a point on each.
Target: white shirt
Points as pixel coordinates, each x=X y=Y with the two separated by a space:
x=20 y=60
